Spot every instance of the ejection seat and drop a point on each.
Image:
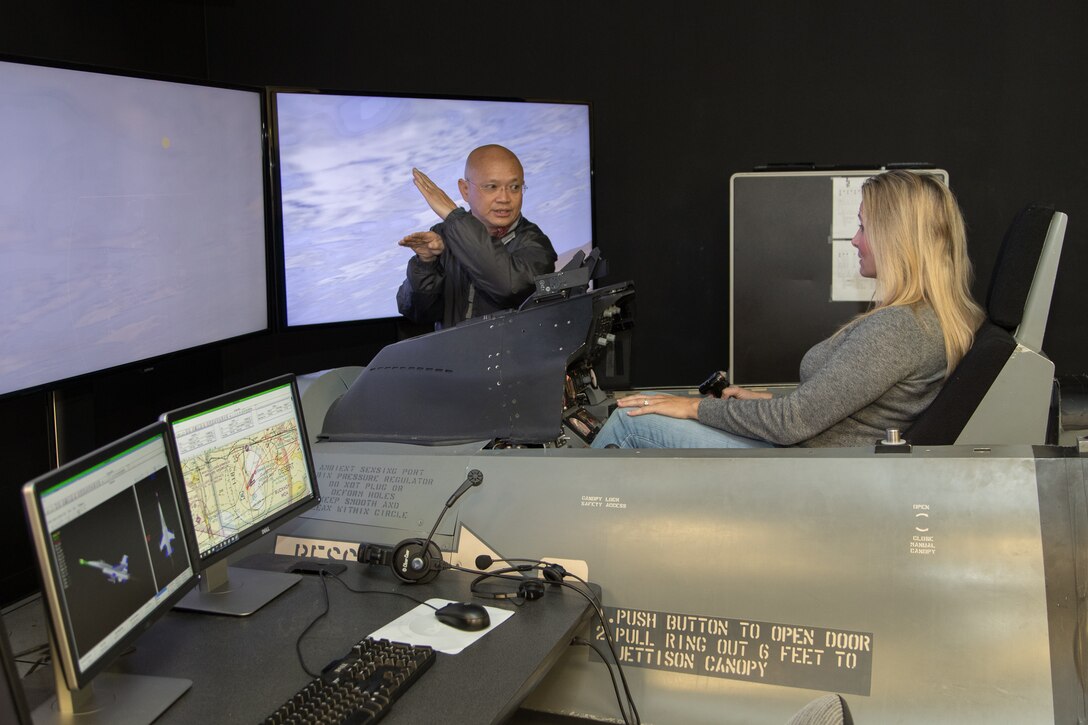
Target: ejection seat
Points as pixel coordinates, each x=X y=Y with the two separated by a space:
x=1000 y=393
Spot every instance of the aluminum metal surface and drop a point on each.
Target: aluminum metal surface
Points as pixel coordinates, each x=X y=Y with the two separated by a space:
x=806 y=541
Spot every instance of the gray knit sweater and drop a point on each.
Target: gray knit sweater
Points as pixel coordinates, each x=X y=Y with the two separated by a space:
x=880 y=372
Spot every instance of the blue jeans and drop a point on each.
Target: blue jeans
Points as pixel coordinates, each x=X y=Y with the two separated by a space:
x=661 y=431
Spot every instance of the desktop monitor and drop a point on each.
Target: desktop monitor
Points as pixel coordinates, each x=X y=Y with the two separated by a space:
x=346 y=197
x=132 y=218
x=113 y=553
x=246 y=467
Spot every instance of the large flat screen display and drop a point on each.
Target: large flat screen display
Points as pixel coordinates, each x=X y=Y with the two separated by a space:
x=346 y=193
x=132 y=220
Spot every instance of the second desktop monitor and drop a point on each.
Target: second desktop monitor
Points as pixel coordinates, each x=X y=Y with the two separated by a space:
x=246 y=467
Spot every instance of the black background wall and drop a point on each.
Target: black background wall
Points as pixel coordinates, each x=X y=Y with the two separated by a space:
x=683 y=95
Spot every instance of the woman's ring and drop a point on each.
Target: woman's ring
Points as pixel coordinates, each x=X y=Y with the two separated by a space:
x=645 y=402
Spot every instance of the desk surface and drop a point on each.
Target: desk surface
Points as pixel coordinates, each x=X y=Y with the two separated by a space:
x=242 y=668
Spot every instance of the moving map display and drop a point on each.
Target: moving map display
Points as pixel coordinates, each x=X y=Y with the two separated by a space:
x=244 y=463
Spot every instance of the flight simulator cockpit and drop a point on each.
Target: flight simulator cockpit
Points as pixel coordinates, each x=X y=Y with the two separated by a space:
x=934 y=583
x=532 y=376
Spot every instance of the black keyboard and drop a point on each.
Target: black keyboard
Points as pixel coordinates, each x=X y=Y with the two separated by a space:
x=358 y=688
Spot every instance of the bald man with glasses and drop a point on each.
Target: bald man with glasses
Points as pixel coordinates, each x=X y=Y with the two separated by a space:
x=479 y=261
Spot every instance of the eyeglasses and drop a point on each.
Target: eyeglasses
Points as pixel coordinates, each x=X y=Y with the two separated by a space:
x=494 y=188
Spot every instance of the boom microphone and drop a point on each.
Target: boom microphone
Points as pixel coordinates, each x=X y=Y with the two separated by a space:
x=474 y=478
x=483 y=561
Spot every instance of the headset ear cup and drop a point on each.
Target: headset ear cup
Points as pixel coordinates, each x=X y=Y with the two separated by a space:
x=412 y=565
x=375 y=554
x=553 y=573
x=531 y=590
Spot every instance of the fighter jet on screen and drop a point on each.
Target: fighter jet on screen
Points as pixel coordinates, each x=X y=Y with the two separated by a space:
x=115 y=574
x=167 y=535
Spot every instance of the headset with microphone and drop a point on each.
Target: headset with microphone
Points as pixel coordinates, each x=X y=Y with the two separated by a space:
x=528 y=589
x=417 y=561
x=552 y=573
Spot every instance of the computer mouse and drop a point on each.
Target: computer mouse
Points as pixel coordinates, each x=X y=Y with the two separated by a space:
x=464 y=615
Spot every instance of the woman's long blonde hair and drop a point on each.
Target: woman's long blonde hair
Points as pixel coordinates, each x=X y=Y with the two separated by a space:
x=918 y=241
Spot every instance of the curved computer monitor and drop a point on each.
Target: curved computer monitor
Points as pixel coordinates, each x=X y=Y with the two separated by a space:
x=133 y=219
x=113 y=551
x=246 y=466
x=345 y=193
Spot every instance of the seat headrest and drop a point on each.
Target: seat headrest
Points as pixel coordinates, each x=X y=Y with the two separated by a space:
x=1016 y=264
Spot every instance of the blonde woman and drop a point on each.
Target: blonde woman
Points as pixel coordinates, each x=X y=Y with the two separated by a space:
x=879 y=371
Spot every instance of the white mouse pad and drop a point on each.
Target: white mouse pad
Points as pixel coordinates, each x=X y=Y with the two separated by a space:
x=420 y=626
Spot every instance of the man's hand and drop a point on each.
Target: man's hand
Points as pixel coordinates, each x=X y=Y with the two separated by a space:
x=437 y=199
x=426 y=245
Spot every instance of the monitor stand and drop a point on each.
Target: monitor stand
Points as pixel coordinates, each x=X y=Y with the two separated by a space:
x=113 y=698
x=236 y=591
